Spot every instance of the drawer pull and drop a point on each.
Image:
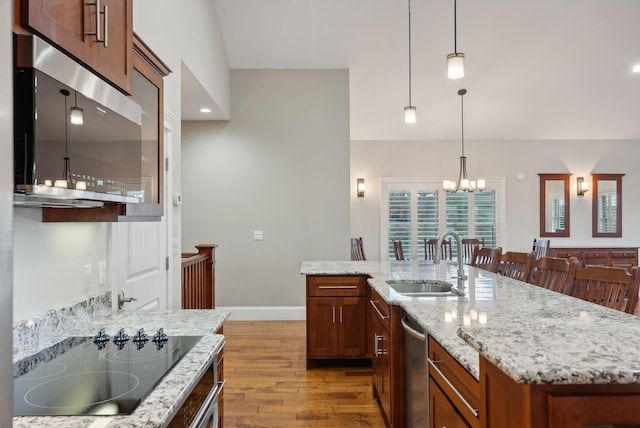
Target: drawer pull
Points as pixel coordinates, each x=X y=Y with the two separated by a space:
x=384 y=317
x=337 y=287
x=464 y=400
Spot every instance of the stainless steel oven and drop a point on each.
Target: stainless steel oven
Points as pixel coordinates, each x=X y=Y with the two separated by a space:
x=201 y=409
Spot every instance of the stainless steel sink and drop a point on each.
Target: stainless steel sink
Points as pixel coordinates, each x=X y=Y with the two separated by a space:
x=424 y=287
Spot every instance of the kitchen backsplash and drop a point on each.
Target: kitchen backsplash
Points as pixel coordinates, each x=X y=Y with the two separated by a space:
x=39 y=332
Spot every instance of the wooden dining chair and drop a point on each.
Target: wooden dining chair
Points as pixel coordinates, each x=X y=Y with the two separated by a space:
x=397 y=250
x=469 y=245
x=515 y=265
x=430 y=249
x=553 y=273
x=608 y=286
x=357 y=250
x=540 y=247
x=486 y=258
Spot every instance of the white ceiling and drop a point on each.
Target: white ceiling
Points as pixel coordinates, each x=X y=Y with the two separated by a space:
x=535 y=69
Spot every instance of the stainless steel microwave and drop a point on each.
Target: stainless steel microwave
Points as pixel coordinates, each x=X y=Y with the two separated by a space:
x=76 y=138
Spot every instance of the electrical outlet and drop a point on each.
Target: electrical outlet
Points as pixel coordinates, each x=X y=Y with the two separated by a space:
x=87 y=280
x=102 y=273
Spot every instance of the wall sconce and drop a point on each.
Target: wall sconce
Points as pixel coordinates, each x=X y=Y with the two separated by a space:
x=360 y=187
x=583 y=186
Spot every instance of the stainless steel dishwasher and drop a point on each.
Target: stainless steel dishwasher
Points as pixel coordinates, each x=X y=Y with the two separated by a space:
x=416 y=375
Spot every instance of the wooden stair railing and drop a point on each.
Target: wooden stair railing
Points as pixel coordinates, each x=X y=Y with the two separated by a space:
x=198 y=278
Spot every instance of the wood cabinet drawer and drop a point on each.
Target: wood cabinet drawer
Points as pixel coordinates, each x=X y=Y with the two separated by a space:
x=336 y=286
x=604 y=254
x=564 y=254
x=460 y=387
x=615 y=254
x=380 y=308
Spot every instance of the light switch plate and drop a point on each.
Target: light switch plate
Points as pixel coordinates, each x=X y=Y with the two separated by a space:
x=102 y=273
x=86 y=276
x=258 y=235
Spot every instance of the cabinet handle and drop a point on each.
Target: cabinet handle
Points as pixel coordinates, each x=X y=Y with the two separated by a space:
x=333 y=314
x=340 y=314
x=378 y=310
x=377 y=338
x=337 y=287
x=98 y=33
x=433 y=363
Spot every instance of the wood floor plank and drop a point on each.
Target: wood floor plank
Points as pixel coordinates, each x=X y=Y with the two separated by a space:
x=268 y=384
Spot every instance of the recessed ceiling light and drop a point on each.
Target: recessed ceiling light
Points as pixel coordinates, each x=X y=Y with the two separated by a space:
x=636 y=68
x=205 y=110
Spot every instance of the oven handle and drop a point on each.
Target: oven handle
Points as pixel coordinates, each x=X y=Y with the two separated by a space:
x=203 y=412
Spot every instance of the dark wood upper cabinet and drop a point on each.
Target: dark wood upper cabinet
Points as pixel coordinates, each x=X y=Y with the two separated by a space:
x=606 y=216
x=554 y=205
x=97 y=33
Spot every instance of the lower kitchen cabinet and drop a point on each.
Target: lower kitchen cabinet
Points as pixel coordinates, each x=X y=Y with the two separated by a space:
x=442 y=413
x=510 y=404
x=387 y=359
x=454 y=394
x=336 y=317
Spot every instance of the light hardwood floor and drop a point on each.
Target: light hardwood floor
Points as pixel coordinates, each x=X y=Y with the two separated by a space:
x=268 y=384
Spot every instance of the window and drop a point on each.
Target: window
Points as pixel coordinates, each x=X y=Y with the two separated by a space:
x=417 y=209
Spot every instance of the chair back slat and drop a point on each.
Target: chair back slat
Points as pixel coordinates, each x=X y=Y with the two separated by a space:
x=357 y=251
x=552 y=273
x=430 y=249
x=469 y=245
x=487 y=258
x=612 y=287
x=540 y=247
x=397 y=250
x=515 y=265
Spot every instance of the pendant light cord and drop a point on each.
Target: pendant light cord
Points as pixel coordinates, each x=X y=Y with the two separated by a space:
x=462 y=117
x=455 y=27
x=66 y=130
x=409 y=4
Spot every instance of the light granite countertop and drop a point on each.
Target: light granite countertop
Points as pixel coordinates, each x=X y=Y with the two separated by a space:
x=535 y=336
x=157 y=409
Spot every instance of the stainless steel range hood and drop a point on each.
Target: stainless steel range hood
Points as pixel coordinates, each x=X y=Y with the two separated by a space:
x=104 y=152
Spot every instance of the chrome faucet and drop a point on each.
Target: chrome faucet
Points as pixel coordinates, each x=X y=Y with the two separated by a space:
x=438 y=251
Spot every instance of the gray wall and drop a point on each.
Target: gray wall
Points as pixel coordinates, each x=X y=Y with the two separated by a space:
x=6 y=212
x=281 y=165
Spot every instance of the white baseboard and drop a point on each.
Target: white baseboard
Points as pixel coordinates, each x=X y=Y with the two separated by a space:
x=265 y=313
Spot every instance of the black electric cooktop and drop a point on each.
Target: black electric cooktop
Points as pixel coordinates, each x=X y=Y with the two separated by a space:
x=95 y=375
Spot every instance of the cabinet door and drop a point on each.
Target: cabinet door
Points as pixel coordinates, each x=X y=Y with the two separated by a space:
x=381 y=364
x=67 y=24
x=442 y=413
x=352 y=334
x=593 y=411
x=322 y=331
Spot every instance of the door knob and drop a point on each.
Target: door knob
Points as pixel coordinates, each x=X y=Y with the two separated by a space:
x=122 y=300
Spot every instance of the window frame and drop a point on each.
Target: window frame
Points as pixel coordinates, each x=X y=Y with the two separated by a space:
x=421 y=183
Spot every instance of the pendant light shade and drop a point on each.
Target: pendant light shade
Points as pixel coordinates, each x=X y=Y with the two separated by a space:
x=410 y=110
x=76 y=114
x=455 y=65
x=464 y=183
x=410 y=114
x=455 y=60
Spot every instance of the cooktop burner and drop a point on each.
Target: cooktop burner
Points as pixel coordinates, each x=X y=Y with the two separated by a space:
x=95 y=375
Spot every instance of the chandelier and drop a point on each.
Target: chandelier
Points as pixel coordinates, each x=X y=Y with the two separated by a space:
x=463 y=183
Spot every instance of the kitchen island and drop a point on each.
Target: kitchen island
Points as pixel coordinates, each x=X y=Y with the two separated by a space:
x=540 y=349
x=159 y=407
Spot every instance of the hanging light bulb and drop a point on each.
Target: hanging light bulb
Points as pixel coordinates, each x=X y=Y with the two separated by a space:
x=410 y=110
x=76 y=114
x=455 y=60
x=463 y=183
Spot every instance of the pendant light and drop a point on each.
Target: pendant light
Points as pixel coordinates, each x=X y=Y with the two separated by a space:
x=66 y=172
x=463 y=183
x=410 y=110
x=76 y=114
x=455 y=60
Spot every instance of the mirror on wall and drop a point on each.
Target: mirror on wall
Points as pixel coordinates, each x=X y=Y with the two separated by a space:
x=607 y=205
x=554 y=205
